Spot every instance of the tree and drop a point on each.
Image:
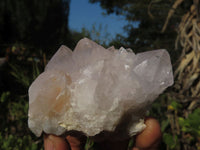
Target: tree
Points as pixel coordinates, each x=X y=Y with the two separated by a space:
x=38 y=23
x=151 y=16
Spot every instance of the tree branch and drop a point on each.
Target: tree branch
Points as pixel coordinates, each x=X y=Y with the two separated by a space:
x=170 y=14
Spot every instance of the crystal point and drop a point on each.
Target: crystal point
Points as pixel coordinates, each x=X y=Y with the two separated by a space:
x=100 y=92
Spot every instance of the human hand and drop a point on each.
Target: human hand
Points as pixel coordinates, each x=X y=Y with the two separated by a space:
x=147 y=140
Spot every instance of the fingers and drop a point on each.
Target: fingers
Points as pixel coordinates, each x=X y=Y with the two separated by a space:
x=148 y=140
x=150 y=137
x=52 y=142
x=75 y=143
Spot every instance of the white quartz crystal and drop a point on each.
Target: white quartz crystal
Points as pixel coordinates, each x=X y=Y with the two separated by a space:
x=97 y=91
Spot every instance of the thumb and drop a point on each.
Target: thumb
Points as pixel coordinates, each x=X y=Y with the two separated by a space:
x=150 y=137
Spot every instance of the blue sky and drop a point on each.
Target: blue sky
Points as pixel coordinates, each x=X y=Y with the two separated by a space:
x=85 y=14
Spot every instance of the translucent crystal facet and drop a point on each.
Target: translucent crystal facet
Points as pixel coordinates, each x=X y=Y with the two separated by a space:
x=94 y=89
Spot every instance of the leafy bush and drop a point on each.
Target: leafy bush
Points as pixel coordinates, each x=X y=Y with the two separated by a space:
x=191 y=124
x=14 y=132
x=12 y=142
x=180 y=126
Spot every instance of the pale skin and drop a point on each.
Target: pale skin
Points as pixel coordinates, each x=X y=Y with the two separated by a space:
x=148 y=139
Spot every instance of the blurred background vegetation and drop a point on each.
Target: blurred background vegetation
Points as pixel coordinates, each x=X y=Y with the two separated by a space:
x=31 y=31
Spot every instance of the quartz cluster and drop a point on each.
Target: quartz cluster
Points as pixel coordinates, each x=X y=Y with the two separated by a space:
x=96 y=90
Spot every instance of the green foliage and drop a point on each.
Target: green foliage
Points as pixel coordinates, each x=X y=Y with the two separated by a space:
x=191 y=124
x=164 y=125
x=89 y=144
x=97 y=33
x=174 y=105
x=180 y=131
x=12 y=142
x=170 y=140
x=100 y=35
x=18 y=110
x=4 y=96
x=18 y=73
x=159 y=110
x=130 y=144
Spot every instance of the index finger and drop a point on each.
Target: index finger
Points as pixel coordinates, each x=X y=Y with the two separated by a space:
x=53 y=142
